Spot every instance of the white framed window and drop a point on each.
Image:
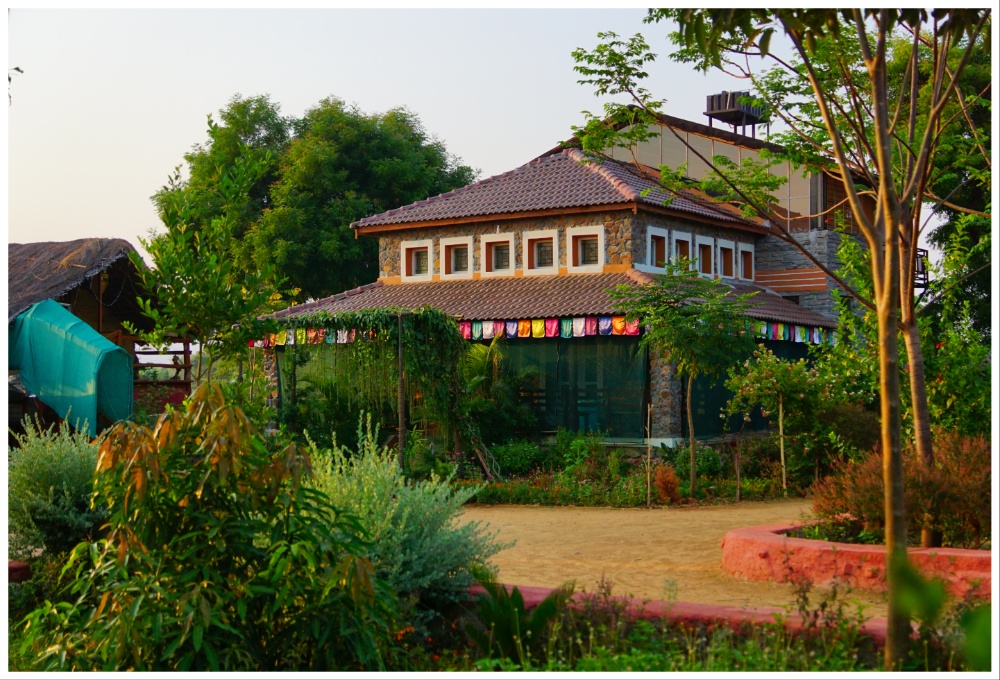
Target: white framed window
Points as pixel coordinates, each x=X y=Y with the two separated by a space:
x=416 y=260
x=682 y=247
x=496 y=256
x=657 y=250
x=456 y=257
x=746 y=261
x=540 y=252
x=705 y=255
x=586 y=249
x=727 y=259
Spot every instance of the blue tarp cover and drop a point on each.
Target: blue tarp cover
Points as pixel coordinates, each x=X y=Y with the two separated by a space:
x=69 y=366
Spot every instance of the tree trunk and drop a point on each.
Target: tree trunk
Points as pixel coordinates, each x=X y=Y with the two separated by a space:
x=690 y=414
x=781 y=441
x=929 y=538
x=885 y=276
x=737 y=474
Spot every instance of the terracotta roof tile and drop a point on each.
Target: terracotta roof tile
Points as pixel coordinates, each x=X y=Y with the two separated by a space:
x=557 y=181
x=529 y=297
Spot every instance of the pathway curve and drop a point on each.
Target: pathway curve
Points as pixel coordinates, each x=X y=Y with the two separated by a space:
x=663 y=553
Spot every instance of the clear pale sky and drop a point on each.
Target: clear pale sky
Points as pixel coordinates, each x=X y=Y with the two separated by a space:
x=110 y=100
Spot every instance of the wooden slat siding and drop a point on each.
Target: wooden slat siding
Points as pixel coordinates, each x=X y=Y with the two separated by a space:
x=792 y=280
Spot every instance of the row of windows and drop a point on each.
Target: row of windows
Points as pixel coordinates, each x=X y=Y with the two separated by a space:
x=539 y=256
x=710 y=256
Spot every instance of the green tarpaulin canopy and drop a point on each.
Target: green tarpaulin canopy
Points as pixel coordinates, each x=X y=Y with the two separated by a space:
x=69 y=366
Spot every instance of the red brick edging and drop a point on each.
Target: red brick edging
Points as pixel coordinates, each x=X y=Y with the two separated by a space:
x=765 y=553
x=693 y=613
x=18 y=572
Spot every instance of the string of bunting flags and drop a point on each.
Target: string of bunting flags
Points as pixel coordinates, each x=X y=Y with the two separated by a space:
x=575 y=327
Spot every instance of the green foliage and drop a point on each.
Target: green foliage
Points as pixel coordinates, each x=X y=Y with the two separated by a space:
x=433 y=349
x=417 y=545
x=756 y=185
x=697 y=321
x=518 y=458
x=957 y=370
x=509 y=630
x=493 y=388
x=216 y=557
x=318 y=174
x=709 y=461
x=199 y=291
x=47 y=582
x=49 y=485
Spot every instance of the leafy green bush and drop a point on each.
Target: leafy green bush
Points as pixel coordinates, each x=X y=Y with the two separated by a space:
x=50 y=482
x=507 y=628
x=216 y=558
x=518 y=457
x=416 y=543
x=708 y=460
x=46 y=583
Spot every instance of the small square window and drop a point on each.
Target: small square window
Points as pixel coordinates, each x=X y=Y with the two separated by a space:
x=501 y=255
x=658 y=250
x=746 y=264
x=419 y=261
x=683 y=249
x=705 y=258
x=460 y=259
x=588 y=251
x=543 y=253
x=726 y=261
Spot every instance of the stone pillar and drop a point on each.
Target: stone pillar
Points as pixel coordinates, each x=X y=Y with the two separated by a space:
x=270 y=364
x=665 y=392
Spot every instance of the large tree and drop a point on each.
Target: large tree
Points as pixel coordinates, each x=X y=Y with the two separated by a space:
x=321 y=172
x=881 y=142
x=344 y=165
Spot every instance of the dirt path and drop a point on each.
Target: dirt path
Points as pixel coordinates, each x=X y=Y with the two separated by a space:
x=664 y=553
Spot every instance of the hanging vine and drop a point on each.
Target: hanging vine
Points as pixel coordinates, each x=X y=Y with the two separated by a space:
x=364 y=371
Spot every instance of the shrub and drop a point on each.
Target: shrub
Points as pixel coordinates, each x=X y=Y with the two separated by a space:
x=216 y=558
x=517 y=458
x=50 y=483
x=708 y=460
x=951 y=496
x=667 y=484
x=416 y=543
x=46 y=583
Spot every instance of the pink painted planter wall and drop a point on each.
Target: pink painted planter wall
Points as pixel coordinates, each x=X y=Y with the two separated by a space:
x=765 y=553
x=695 y=614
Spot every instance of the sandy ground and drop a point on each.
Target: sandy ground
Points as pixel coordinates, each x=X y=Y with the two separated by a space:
x=663 y=553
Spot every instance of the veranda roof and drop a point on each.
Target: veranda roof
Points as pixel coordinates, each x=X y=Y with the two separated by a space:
x=530 y=297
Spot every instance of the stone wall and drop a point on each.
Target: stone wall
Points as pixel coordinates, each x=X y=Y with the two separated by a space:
x=618 y=241
x=644 y=220
x=665 y=393
x=772 y=253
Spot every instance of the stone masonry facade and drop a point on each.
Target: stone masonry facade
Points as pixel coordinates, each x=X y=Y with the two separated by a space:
x=617 y=238
x=666 y=397
x=772 y=253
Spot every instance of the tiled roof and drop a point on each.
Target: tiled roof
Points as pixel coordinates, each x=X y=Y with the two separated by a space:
x=557 y=181
x=528 y=297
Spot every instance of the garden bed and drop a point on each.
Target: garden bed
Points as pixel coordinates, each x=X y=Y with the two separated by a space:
x=766 y=553
x=695 y=614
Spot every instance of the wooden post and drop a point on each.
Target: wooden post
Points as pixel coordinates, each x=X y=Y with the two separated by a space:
x=781 y=439
x=649 y=455
x=401 y=394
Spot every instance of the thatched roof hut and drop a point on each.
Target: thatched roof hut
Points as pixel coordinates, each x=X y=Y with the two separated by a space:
x=66 y=270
